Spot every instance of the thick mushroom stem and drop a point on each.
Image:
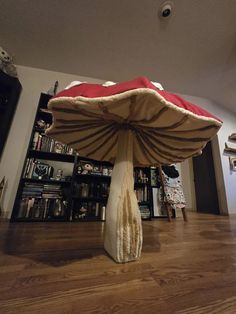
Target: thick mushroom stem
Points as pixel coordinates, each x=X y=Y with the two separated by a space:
x=123 y=226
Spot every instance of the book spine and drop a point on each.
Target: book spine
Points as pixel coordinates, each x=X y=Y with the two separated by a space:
x=39 y=143
x=26 y=166
x=35 y=140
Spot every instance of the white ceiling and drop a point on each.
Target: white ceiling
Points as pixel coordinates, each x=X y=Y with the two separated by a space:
x=193 y=52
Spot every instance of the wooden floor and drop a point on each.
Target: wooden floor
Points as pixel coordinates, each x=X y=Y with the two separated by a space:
x=62 y=268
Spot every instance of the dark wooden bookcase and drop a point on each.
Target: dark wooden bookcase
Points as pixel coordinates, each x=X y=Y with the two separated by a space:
x=10 y=89
x=81 y=194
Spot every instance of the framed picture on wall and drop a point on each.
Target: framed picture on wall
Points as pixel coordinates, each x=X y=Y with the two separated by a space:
x=232 y=161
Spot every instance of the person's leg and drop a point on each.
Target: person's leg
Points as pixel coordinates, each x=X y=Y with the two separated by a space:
x=184 y=214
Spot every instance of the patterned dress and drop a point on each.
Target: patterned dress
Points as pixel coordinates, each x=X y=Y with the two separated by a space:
x=173 y=195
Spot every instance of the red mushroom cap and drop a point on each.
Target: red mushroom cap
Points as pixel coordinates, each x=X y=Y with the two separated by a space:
x=167 y=128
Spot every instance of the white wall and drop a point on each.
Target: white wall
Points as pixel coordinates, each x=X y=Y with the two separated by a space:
x=34 y=81
x=228 y=182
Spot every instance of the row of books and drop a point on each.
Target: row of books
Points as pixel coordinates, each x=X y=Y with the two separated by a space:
x=41 y=208
x=84 y=210
x=142 y=194
x=93 y=189
x=46 y=208
x=44 y=143
x=37 y=190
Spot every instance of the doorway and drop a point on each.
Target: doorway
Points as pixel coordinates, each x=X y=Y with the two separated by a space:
x=205 y=182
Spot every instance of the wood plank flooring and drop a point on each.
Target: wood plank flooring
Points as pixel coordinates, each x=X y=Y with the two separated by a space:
x=62 y=268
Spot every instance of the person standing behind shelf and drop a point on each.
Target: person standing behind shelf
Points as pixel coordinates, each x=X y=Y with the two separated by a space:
x=173 y=191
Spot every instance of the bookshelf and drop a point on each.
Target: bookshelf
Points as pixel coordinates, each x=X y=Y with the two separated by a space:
x=143 y=191
x=90 y=189
x=57 y=184
x=44 y=189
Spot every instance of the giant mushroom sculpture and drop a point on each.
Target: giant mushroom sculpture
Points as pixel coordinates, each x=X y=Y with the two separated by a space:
x=132 y=124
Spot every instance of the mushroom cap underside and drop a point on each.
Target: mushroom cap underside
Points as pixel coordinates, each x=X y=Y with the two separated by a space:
x=166 y=129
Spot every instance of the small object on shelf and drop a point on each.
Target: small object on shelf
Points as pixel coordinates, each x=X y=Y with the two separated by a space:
x=79 y=168
x=52 y=91
x=105 y=171
x=59 y=208
x=87 y=168
x=6 y=63
x=96 y=170
x=41 y=124
x=58 y=148
x=59 y=175
x=82 y=211
x=71 y=151
x=40 y=171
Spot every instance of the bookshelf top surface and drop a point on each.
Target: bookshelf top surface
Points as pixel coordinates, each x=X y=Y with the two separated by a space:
x=51 y=156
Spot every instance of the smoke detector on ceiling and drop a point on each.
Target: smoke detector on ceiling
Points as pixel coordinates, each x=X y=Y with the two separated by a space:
x=166 y=9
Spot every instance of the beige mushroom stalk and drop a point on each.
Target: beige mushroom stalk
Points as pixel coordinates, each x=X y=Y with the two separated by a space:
x=130 y=124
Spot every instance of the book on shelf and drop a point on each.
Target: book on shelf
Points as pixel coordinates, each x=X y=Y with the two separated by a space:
x=41 y=190
x=41 y=208
x=142 y=193
x=51 y=191
x=41 y=142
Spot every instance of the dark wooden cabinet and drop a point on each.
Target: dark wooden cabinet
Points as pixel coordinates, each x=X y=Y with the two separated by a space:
x=10 y=89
